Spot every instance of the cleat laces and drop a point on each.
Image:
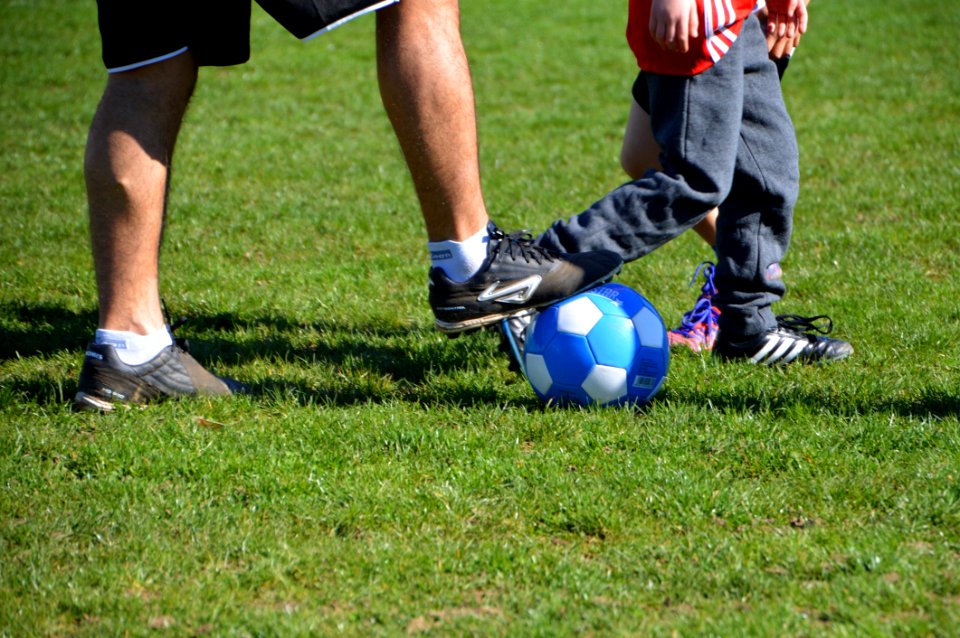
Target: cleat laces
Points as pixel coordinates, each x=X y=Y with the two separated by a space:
x=520 y=244
x=709 y=289
x=181 y=342
x=822 y=324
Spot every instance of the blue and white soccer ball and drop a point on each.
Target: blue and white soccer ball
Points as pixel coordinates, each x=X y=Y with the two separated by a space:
x=606 y=346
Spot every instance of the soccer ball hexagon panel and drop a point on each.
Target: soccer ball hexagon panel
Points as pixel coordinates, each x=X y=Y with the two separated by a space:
x=606 y=346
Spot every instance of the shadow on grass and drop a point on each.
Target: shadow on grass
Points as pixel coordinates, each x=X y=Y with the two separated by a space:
x=47 y=329
x=374 y=363
x=930 y=402
x=51 y=329
x=380 y=362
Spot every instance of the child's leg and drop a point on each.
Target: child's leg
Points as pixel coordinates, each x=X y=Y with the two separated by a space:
x=697 y=122
x=641 y=153
x=756 y=218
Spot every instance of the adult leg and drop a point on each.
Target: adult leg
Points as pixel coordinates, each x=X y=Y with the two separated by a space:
x=127 y=171
x=427 y=92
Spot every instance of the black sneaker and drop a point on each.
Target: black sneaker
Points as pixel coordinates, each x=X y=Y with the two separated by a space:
x=517 y=275
x=106 y=381
x=790 y=342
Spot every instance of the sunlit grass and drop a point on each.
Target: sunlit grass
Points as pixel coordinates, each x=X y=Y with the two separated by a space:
x=384 y=479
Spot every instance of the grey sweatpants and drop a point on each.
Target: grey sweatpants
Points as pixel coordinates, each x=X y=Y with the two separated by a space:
x=727 y=141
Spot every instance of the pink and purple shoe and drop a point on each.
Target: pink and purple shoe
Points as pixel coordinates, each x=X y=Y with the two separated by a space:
x=698 y=328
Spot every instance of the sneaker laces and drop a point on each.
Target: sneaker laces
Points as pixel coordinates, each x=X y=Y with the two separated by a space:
x=180 y=342
x=800 y=325
x=520 y=244
x=709 y=289
x=703 y=312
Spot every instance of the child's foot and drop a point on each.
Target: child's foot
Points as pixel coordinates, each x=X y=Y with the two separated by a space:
x=790 y=342
x=698 y=328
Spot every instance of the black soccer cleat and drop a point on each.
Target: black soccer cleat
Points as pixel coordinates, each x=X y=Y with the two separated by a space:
x=106 y=381
x=517 y=275
x=790 y=342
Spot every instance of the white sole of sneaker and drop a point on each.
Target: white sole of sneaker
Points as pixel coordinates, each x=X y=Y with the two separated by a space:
x=472 y=324
x=84 y=401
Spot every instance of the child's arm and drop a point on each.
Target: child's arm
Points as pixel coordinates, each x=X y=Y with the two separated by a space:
x=673 y=23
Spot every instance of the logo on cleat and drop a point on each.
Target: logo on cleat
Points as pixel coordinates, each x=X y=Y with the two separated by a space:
x=516 y=292
x=113 y=394
x=780 y=349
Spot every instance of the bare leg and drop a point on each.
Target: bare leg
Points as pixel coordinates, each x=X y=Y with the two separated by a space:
x=640 y=152
x=427 y=92
x=127 y=169
x=707 y=228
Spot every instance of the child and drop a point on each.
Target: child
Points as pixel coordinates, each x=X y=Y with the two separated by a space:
x=640 y=153
x=727 y=142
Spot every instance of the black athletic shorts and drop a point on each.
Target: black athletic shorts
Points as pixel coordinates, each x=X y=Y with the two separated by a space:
x=135 y=33
x=642 y=94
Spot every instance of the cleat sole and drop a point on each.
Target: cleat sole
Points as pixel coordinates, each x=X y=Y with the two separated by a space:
x=83 y=401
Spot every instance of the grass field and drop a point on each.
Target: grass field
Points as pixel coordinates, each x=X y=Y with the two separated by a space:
x=385 y=480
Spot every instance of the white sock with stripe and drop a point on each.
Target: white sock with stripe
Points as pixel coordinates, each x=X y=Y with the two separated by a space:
x=460 y=260
x=132 y=348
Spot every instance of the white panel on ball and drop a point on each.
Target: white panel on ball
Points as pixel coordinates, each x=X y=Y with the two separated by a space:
x=578 y=317
x=605 y=384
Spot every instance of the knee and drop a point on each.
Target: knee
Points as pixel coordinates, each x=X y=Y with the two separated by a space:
x=783 y=190
x=137 y=123
x=425 y=17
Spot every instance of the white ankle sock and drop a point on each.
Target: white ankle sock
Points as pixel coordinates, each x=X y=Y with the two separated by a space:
x=460 y=260
x=132 y=348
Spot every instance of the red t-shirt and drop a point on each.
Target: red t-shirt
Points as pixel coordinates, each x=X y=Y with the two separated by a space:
x=720 y=25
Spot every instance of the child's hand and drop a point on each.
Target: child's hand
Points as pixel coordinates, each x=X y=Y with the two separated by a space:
x=786 y=19
x=779 y=47
x=673 y=23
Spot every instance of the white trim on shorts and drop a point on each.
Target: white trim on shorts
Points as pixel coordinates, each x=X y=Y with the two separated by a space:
x=342 y=21
x=137 y=65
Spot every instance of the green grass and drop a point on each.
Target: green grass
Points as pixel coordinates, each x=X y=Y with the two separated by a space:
x=386 y=480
